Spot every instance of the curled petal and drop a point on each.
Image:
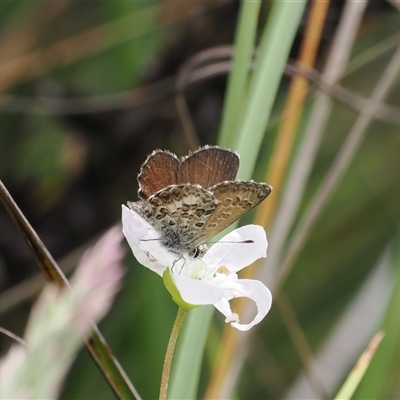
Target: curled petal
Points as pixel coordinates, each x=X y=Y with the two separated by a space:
x=224 y=308
x=196 y=292
x=252 y=289
x=234 y=253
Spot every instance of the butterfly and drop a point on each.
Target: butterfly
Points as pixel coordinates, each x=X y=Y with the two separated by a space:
x=193 y=198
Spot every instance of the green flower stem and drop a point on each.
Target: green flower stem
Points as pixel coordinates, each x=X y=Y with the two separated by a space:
x=170 y=352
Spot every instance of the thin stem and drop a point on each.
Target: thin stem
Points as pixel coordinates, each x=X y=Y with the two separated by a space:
x=170 y=352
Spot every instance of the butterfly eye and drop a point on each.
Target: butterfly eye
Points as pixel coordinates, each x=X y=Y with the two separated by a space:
x=196 y=252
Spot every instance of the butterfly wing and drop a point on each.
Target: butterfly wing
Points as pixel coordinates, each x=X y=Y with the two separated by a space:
x=235 y=199
x=192 y=199
x=209 y=166
x=158 y=171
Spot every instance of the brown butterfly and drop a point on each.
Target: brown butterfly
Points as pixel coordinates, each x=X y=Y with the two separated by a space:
x=191 y=199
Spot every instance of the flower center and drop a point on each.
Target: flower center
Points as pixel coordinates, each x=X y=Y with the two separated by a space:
x=190 y=267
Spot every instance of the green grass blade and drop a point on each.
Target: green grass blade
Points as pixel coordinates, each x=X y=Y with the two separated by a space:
x=383 y=372
x=189 y=354
x=274 y=49
x=238 y=78
x=347 y=390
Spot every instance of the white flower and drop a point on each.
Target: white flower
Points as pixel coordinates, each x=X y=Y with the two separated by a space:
x=209 y=279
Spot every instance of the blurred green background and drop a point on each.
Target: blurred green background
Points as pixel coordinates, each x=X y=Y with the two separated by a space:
x=87 y=92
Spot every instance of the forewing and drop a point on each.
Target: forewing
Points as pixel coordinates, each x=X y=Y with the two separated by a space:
x=209 y=166
x=158 y=171
x=235 y=199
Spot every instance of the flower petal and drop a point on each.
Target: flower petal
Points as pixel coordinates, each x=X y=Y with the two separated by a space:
x=250 y=288
x=197 y=292
x=234 y=255
x=224 y=307
x=144 y=242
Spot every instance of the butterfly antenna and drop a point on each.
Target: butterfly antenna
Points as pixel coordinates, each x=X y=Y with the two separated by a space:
x=247 y=241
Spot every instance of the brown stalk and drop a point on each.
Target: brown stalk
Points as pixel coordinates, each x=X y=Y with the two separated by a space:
x=300 y=342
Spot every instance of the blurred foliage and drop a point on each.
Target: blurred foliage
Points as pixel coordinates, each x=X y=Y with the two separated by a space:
x=70 y=173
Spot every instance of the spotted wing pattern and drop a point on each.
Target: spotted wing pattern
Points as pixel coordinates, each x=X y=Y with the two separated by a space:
x=234 y=199
x=179 y=213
